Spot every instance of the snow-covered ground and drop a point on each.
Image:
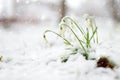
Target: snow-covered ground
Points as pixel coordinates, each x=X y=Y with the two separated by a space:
x=27 y=57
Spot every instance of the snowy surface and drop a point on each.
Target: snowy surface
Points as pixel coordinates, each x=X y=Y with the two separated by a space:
x=27 y=57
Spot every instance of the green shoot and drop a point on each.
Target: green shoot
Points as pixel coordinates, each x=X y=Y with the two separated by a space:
x=88 y=35
x=66 y=41
x=80 y=41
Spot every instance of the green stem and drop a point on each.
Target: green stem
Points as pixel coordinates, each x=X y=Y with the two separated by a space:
x=80 y=41
x=93 y=33
x=87 y=40
x=97 y=37
x=59 y=36
x=96 y=32
x=92 y=29
x=80 y=29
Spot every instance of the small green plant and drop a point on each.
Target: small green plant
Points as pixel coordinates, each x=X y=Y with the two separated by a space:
x=83 y=36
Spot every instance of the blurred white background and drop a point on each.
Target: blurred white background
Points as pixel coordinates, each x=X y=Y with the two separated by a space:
x=50 y=12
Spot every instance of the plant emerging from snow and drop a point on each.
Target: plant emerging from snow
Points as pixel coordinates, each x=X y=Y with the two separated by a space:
x=73 y=34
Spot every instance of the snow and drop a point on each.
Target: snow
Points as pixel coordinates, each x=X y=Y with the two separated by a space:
x=26 y=56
